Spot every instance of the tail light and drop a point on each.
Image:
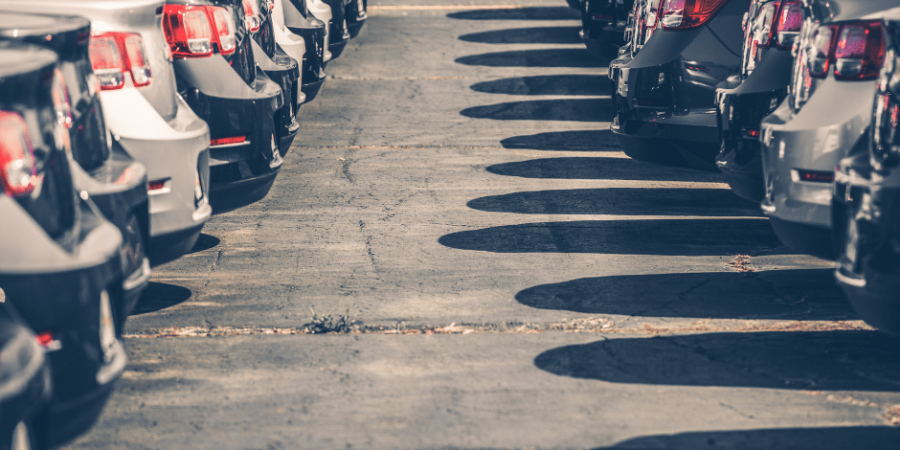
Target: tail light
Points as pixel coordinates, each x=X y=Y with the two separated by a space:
x=18 y=174
x=860 y=51
x=790 y=20
x=192 y=31
x=48 y=341
x=820 y=51
x=687 y=14
x=117 y=55
x=251 y=14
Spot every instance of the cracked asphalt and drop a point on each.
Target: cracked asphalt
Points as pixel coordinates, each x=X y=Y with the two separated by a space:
x=517 y=281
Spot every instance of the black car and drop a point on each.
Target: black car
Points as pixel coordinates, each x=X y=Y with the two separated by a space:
x=217 y=75
x=115 y=181
x=866 y=204
x=24 y=380
x=664 y=97
x=357 y=13
x=60 y=260
x=280 y=68
x=603 y=25
x=339 y=32
x=297 y=19
x=742 y=101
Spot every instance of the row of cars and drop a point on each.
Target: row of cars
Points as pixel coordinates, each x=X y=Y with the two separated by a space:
x=795 y=102
x=124 y=126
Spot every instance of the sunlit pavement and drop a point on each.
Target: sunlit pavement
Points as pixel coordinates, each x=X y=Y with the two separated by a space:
x=509 y=278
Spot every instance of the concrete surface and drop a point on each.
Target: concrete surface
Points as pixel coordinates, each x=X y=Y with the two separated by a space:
x=456 y=176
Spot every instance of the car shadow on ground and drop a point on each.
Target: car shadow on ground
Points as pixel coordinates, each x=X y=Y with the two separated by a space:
x=687 y=237
x=621 y=201
x=575 y=140
x=574 y=110
x=803 y=294
x=834 y=438
x=159 y=296
x=533 y=35
x=205 y=242
x=811 y=360
x=547 y=57
x=532 y=13
x=546 y=85
x=598 y=168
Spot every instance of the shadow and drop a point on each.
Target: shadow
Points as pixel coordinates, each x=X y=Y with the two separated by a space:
x=834 y=438
x=596 y=168
x=575 y=110
x=536 y=35
x=621 y=201
x=687 y=237
x=547 y=85
x=561 y=57
x=579 y=140
x=205 y=242
x=159 y=296
x=810 y=360
x=808 y=294
x=534 y=13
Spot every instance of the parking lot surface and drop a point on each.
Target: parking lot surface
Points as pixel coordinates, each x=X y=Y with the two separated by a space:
x=508 y=278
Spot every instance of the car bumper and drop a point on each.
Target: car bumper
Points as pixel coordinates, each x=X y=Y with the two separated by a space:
x=313 y=34
x=810 y=141
x=356 y=16
x=232 y=108
x=285 y=72
x=174 y=152
x=866 y=219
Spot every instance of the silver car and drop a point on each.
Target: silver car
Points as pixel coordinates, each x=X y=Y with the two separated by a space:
x=144 y=113
x=825 y=115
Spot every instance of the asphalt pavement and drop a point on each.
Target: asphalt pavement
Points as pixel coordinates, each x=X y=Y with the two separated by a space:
x=495 y=273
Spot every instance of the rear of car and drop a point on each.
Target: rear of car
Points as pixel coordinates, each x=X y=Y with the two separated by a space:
x=217 y=75
x=665 y=108
x=146 y=117
x=866 y=203
x=295 y=27
x=24 y=380
x=60 y=264
x=603 y=25
x=319 y=10
x=357 y=13
x=840 y=51
x=278 y=66
x=770 y=29
x=339 y=32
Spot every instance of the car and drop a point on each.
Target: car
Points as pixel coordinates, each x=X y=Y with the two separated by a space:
x=770 y=29
x=357 y=13
x=603 y=25
x=339 y=32
x=147 y=119
x=60 y=260
x=278 y=66
x=24 y=379
x=217 y=75
x=866 y=202
x=320 y=10
x=292 y=26
x=664 y=97
x=840 y=51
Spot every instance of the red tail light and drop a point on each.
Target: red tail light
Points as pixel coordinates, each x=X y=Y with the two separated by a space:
x=790 y=20
x=821 y=51
x=18 y=175
x=251 y=14
x=117 y=55
x=860 y=51
x=191 y=30
x=228 y=140
x=687 y=14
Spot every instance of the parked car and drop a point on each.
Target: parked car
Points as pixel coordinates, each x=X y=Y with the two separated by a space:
x=321 y=11
x=357 y=13
x=136 y=83
x=114 y=180
x=293 y=25
x=217 y=75
x=279 y=67
x=24 y=380
x=60 y=260
x=339 y=33
x=839 y=55
x=770 y=29
x=603 y=25
x=664 y=100
x=866 y=203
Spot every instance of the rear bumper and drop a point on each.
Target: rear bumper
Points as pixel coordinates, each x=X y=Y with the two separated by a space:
x=356 y=16
x=173 y=152
x=284 y=71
